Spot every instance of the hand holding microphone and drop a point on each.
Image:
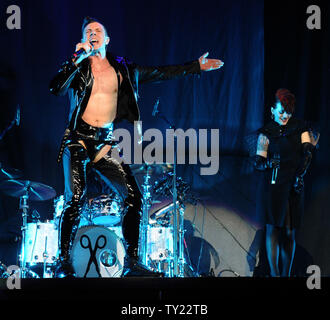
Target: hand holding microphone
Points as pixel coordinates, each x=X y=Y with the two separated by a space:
x=262 y=164
x=274 y=163
x=83 y=51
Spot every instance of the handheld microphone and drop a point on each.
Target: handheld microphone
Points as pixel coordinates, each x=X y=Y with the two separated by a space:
x=155 y=111
x=80 y=52
x=18 y=115
x=275 y=170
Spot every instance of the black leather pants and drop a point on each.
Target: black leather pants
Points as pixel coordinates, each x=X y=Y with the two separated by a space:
x=76 y=161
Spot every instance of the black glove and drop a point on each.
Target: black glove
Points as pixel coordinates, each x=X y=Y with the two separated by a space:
x=305 y=161
x=262 y=163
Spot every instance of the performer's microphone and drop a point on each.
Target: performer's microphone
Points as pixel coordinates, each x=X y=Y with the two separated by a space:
x=18 y=115
x=274 y=173
x=155 y=111
x=80 y=52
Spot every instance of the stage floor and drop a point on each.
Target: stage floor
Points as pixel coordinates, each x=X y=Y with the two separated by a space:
x=159 y=290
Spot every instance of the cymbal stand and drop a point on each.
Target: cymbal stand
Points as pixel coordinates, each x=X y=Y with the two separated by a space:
x=175 y=194
x=175 y=213
x=145 y=218
x=24 y=206
x=181 y=242
x=45 y=257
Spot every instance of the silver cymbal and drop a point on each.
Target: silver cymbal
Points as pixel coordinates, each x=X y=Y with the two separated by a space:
x=36 y=191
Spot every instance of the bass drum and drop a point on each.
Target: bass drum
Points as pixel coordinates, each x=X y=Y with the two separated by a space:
x=98 y=252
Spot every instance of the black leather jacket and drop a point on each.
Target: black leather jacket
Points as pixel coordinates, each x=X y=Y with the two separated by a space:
x=78 y=83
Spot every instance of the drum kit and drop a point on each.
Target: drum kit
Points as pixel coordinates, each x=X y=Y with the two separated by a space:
x=99 y=247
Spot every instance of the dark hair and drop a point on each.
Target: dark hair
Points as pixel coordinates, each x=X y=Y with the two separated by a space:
x=88 y=20
x=287 y=99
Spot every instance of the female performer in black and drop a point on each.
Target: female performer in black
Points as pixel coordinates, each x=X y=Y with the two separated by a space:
x=284 y=152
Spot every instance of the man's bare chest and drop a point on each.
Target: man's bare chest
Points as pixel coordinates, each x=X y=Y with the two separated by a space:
x=105 y=80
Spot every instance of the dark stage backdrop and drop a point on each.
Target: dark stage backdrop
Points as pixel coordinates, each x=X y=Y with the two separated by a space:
x=149 y=33
x=298 y=58
x=159 y=33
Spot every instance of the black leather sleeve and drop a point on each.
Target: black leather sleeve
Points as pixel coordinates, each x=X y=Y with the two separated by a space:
x=60 y=84
x=306 y=158
x=160 y=73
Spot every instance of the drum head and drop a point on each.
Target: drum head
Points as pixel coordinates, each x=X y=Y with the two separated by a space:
x=97 y=252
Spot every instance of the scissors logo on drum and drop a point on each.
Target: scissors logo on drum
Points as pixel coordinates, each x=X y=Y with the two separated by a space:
x=85 y=243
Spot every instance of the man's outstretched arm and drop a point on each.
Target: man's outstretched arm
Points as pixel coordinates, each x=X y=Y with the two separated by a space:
x=160 y=73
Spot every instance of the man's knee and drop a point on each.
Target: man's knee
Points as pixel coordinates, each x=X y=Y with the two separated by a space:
x=112 y=174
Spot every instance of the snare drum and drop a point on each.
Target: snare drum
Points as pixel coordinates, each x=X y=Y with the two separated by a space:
x=97 y=252
x=106 y=210
x=41 y=243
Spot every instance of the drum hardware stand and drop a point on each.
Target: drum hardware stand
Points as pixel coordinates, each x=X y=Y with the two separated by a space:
x=145 y=218
x=25 y=190
x=175 y=214
x=23 y=204
x=176 y=272
x=181 y=242
x=171 y=267
x=153 y=263
x=45 y=257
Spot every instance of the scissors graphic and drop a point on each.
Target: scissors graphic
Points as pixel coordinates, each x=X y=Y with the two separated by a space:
x=92 y=251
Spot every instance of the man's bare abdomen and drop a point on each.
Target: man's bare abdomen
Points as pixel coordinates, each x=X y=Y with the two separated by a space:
x=102 y=105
